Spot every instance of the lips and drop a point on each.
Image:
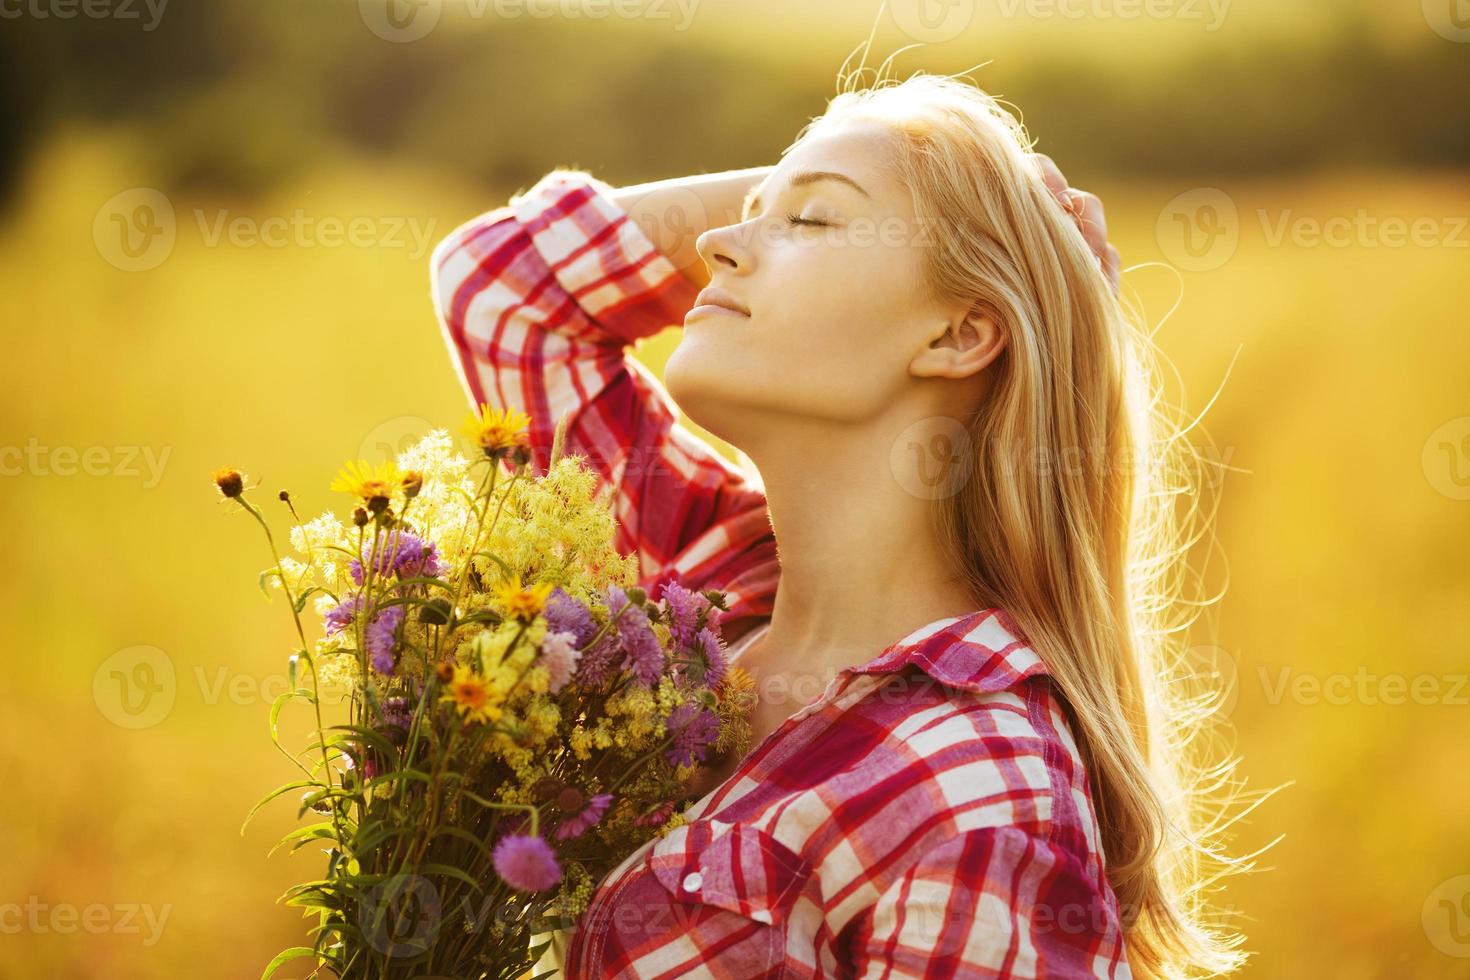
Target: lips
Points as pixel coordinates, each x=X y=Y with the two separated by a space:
x=717 y=297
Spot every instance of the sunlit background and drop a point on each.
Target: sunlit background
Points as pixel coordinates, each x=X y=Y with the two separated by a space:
x=216 y=231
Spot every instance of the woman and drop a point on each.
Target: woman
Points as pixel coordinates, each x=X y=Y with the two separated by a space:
x=960 y=764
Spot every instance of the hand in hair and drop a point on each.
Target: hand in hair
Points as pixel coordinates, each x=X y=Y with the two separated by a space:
x=1087 y=209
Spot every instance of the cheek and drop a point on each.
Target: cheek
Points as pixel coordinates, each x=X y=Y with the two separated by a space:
x=839 y=316
x=822 y=343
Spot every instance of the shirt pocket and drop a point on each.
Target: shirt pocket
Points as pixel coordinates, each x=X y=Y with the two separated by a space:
x=735 y=867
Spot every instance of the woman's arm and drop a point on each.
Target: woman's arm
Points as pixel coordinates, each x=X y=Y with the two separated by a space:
x=673 y=213
x=538 y=301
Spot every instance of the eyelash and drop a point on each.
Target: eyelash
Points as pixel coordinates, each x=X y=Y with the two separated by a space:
x=798 y=220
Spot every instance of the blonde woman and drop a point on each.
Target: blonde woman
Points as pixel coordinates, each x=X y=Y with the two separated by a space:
x=961 y=765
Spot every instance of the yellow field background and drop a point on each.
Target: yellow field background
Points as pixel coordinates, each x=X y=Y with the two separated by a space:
x=1343 y=410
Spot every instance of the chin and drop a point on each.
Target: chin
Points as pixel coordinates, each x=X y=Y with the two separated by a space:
x=704 y=388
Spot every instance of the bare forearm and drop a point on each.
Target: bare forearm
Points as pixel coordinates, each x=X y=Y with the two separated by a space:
x=676 y=211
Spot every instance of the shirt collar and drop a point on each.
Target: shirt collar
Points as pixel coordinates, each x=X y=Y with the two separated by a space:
x=983 y=651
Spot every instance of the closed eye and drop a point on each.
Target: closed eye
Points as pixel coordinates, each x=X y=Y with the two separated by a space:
x=798 y=220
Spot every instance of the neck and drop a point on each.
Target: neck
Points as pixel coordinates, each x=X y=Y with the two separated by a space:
x=861 y=566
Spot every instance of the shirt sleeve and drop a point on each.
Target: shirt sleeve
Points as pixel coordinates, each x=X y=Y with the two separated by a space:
x=538 y=301
x=992 y=902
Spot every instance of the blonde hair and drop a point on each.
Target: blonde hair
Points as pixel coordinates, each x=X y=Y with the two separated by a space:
x=1087 y=556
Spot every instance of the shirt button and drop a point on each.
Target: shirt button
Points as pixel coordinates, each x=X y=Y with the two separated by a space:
x=692 y=881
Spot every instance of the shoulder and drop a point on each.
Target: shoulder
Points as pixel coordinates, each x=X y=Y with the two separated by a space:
x=968 y=710
x=960 y=760
x=961 y=739
x=976 y=802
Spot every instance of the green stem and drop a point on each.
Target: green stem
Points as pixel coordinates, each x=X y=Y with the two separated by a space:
x=310 y=660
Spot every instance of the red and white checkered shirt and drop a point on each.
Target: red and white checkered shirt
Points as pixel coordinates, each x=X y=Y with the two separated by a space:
x=928 y=815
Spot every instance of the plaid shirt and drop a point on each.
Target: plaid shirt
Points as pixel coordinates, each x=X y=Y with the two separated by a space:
x=928 y=815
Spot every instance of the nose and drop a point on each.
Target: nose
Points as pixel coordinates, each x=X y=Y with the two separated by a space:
x=726 y=246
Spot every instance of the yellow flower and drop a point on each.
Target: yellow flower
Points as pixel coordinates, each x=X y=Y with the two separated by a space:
x=472 y=696
x=521 y=602
x=374 y=485
x=230 y=482
x=496 y=430
x=736 y=684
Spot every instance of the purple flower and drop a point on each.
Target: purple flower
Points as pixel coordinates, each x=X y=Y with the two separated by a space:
x=597 y=661
x=684 y=608
x=526 y=863
x=579 y=824
x=380 y=638
x=656 y=816
x=396 y=711
x=404 y=554
x=714 y=657
x=566 y=615
x=340 y=616
x=645 y=658
x=694 y=727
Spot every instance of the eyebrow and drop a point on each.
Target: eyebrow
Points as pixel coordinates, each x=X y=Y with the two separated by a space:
x=801 y=179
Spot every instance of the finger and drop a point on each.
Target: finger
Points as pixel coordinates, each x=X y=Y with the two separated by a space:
x=1092 y=220
x=1052 y=175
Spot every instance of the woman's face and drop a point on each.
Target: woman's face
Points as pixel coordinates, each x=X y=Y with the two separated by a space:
x=829 y=270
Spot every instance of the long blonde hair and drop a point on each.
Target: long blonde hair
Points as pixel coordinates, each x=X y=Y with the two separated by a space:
x=1087 y=554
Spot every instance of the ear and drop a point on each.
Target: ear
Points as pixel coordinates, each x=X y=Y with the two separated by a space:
x=962 y=348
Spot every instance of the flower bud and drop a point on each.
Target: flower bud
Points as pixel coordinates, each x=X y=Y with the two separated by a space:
x=230 y=482
x=435 y=612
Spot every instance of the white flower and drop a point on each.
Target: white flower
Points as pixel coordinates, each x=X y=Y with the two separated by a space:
x=560 y=658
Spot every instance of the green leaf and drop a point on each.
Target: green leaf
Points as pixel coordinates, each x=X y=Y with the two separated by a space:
x=497 y=560
x=397 y=774
x=376 y=739
x=265 y=577
x=481 y=616
x=450 y=871
x=301 y=599
x=372 y=837
x=303 y=835
x=278 y=791
x=284 y=957
x=280 y=702
x=426 y=580
x=462 y=834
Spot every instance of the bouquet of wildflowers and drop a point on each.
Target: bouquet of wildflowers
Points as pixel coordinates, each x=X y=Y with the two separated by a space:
x=514 y=715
